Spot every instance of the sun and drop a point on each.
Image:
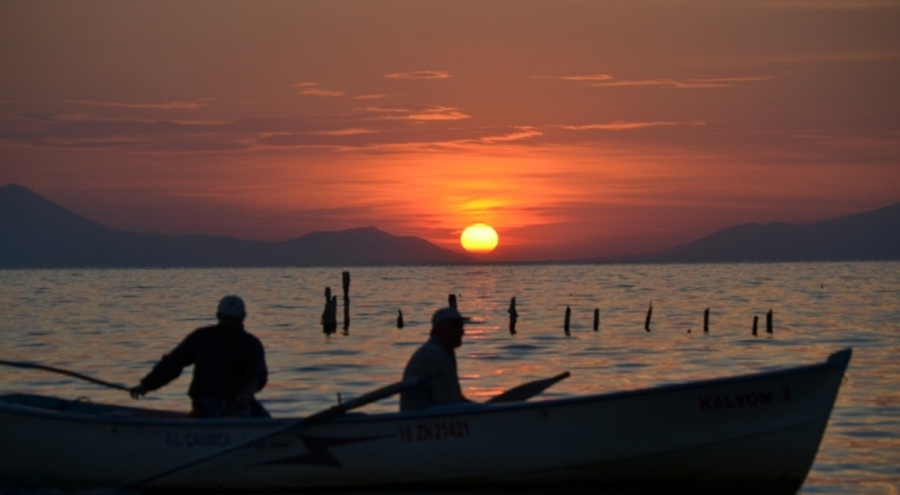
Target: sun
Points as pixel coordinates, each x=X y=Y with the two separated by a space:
x=479 y=238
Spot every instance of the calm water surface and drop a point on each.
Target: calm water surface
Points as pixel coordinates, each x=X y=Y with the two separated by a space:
x=114 y=324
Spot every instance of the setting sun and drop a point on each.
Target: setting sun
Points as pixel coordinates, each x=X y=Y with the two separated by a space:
x=479 y=238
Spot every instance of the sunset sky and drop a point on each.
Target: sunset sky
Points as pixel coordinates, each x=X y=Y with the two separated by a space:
x=574 y=128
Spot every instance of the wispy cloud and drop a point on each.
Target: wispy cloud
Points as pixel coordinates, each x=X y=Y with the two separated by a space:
x=517 y=134
x=344 y=132
x=441 y=113
x=689 y=83
x=419 y=74
x=314 y=89
x=425 y=114
x=161 y=105
x=588 y=78
x=627 y=126
x=607 y=80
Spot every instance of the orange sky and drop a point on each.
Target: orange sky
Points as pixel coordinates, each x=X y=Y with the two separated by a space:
x=575 y=128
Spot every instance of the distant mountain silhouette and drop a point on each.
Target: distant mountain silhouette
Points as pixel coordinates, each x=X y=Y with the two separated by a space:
x=37 y=233
x=872 y=235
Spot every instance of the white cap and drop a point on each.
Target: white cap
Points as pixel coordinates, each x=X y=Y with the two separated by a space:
x=231 y=307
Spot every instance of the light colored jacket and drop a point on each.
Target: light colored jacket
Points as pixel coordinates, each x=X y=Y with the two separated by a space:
x=436 y=364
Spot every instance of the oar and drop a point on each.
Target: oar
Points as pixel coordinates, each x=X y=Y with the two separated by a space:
x=20 y=364
x=528 y=390
x=319 y=417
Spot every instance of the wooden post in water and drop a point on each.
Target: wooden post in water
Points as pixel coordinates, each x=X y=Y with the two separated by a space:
x=452 y=300
x=333 y=312
x=329 y=315
x=706 y=321
x=596 y=319
x=769 y=322
x=513 y=316
x=649 y=314
x=345 y=279
x=755 y=323
x=399 y=318
x=568 y=317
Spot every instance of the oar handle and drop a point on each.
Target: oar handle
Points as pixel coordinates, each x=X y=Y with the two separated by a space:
x=369 y=397
x=26 y=365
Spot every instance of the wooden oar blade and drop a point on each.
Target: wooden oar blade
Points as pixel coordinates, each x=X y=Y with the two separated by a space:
x=528 y=390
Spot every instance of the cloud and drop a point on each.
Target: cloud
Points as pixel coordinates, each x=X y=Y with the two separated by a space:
x=419 y=74
x=81 y=131
x=344 y=132
x=313 y=89
x=626 y=126
x=517 y=134
x=442 y=113
x=163 y=105
x=606 y=80
x=690 y=83
x=321 y=92
x=363 y=127
x=589 y=77
x=424 y=114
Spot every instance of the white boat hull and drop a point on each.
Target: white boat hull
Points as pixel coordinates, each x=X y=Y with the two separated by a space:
x=759 y=430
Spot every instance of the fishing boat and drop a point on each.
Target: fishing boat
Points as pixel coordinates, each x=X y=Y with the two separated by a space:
x=756 y=432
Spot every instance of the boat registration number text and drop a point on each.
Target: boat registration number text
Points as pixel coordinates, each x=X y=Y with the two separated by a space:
x=429 y=431
x=192 y=440
x=751 y=399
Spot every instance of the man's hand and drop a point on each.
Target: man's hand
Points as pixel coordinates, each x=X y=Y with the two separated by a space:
x=137 y=391
x=246 y=395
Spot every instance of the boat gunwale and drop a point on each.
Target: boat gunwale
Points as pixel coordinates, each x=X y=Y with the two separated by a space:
x=118 y=415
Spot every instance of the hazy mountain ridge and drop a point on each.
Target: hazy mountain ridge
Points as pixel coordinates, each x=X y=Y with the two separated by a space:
x=872 y=235
x=37 y=233
x=40 y=234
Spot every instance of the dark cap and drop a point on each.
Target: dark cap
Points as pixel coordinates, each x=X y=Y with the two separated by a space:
x=231 y=307
x=447 y=314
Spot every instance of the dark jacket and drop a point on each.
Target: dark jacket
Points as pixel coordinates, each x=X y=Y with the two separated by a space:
x=224 y=362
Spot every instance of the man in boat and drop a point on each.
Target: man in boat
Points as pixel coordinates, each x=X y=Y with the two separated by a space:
x=229 y=366
x=435 y=362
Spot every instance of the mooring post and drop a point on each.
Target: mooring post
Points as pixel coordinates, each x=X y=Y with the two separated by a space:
x=755 y=323
x=706 y=321
x=769 y=322
x=399 y=318
x=513 y=316
x=345 y=278
x=568 y=317
x=329 y=315
x=332 y=311
x=596 y=319
x=452 y=300
x=649 y=314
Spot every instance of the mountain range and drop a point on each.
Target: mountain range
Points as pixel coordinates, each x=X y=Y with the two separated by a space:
x=869 y=236
x=37 y=233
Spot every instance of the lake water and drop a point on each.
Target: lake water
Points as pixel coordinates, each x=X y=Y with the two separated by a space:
x=114 y=324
